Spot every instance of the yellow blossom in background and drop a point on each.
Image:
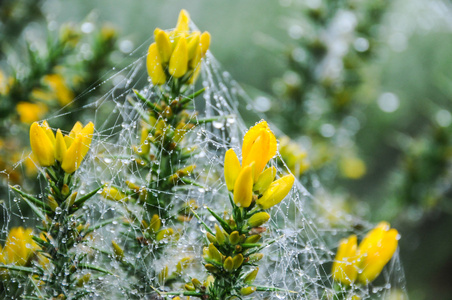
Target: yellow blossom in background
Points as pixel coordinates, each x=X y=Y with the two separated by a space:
x=293 y=155
x=19 y=247
x=69 y=150
x=178 y=53
x=365 y=263
x=352 y=167
x=56 y=89
x=5 y=83
x=30 y=112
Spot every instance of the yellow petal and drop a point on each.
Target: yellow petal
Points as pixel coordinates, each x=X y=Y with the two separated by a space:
x=376 y=250
x=263 y=151
x=154 y=65
x=178 y=63
x=276 y=192
x=183 y=21
x=73 y=156
x=60 y=146
x=205 y=43
x=193 y=44
x=87 y=136
x=48 y=131
x=163 y=45
x=232 y=168
x=41 y=145
x=345 y=268
x=75 y=129
x=265 y=179
x=243 y=187
x=258 y=219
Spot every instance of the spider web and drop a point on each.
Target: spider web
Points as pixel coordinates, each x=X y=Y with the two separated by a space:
x=305 y=238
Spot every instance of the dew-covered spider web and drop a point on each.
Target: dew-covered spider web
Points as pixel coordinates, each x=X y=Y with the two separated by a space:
x=305 y=231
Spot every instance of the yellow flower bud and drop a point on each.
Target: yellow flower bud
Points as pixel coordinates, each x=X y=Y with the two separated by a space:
x=154 y=65
x=165 y=233
x=219 y=235
x=264 y=180
x=49 y=132
x=205 y=43
x=232 y=168
x=178 y=63
x=211 y=238
x=228 y=264
x=345 y=264
x=112 y=193
x=74 y=131
x=119 y=252
x=258 y=219
x=183 y=22
x=243 y=187
x=253 y=238
x=255 y=257
x=259 y=146
x=41 y=145
x=276 y=192
x=197 y=284
x=215 y=254
x=251 y=276
x=60 y=146
x=78 y=143
x=237 y=260
x=376 y=250
x=193 y=44
x=163 y=45
x=247 y=290
x=234 y=238
x=83 y=280
x=73 y=156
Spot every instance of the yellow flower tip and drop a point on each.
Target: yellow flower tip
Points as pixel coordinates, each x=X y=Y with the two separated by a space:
x=259 y=146
x=60 y=146
x=178 y=64
x=243 y=187
x=276 y=192
x=205 y=43
x=48 y=131
x=163 y=45
x=183 y=22
x=232 y=168
x=193 y=44
x=73 y=156
x=41 y=145
x=86 y=136
x=265 y=179
x=345 y=268
x=376 y=250
x=154 y=65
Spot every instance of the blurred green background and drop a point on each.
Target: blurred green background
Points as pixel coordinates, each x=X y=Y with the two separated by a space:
x=364 y=87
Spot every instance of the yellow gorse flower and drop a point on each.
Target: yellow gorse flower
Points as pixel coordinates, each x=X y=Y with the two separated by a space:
x=177 y=53
x=376 y=250
x=259 y=146
x=69 y=150
x=30 y=112
x=344 y=265
x=365 y=263
x=19 y=247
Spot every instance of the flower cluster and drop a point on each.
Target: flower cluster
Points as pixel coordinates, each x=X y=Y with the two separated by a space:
x=234 y=245
x=365 y=262
x=177 y=54
x=68 y=150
